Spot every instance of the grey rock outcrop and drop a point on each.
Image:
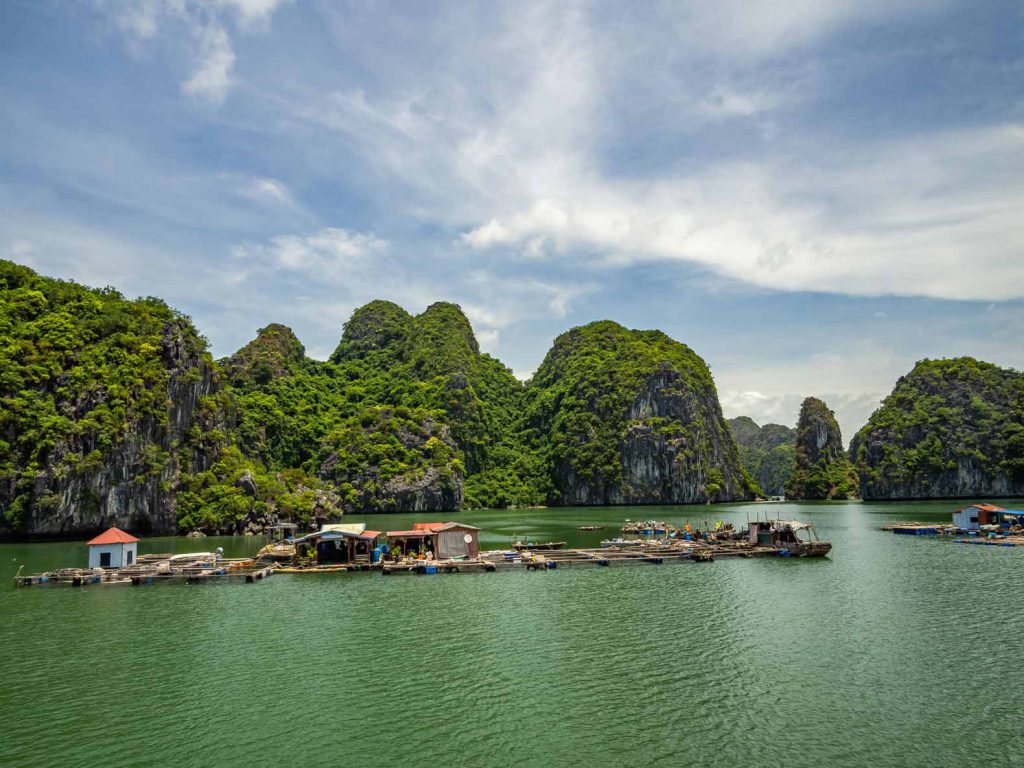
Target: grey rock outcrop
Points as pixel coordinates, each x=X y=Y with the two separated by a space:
x=631 y=417
x=430 y=485
x=132 y=486
x=662 y=463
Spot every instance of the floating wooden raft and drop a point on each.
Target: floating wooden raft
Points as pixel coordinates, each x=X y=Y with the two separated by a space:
x=139 y=575
x=922 y=529
x=998 y=541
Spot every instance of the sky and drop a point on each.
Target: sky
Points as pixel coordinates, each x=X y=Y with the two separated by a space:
x=813 y=196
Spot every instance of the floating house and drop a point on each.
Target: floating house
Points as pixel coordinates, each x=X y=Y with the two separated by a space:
x=339 y=543
x=113 y=549
x=447 y=541
x=973 y=516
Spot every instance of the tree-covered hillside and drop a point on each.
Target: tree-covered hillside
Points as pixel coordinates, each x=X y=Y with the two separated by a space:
x=822 y=470
x=114 y=413
x=950 y=428
x=356 y=420
x=623 y=416
x=768 y=453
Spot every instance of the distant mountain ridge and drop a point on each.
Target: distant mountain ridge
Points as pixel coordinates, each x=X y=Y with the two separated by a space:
x=768 y=452
x=114 y=413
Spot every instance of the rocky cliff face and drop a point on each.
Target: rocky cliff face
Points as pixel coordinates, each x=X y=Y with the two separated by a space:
x=132 y=483
x=822 y=468
x=950 y=429
x=394 y=460
x=632 y=418
x=768 y=453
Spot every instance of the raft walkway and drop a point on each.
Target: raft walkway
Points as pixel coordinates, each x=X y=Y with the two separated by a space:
x=141 y=574
x=995 y=541
x=508 y=560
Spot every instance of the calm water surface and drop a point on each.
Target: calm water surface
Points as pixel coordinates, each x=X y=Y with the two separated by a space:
x=894 y=651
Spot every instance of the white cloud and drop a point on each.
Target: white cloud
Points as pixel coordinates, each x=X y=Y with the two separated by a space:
x=726 y=101
x=488 y=339
x=205 y=22
x=214 y=61
x=329 y=272
x=774 y=27
x=268 y=190
x=251 y=11
x=331 y=253
x=933 y=215
x=517 y=160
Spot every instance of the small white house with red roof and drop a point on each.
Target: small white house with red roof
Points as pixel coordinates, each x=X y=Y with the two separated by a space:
x=113 y=549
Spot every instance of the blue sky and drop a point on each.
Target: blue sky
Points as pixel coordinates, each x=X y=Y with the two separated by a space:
x=811 y=195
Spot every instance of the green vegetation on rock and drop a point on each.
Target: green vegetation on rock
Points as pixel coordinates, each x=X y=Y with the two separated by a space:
x=114 y=413
x=768 y=453
x=822 y=470
x=621 y=416
x=951 y=428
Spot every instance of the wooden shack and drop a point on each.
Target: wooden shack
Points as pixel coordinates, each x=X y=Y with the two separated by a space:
x=338 y=543
x=447 y=541
x=456 y=541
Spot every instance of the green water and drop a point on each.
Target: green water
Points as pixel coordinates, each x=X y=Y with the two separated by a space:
x=894 y=651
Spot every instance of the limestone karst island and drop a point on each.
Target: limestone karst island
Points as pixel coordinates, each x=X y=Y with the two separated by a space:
x=527 y=383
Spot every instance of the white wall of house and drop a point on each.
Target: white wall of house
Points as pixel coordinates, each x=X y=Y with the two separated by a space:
x=963 y=519
x=120 y=555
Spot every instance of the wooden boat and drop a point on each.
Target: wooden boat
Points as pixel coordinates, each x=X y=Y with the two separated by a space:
x=540 y=546
x=783 y=534
x=646 y=527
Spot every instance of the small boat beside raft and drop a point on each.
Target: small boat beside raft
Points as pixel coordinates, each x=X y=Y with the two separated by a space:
x=539 y=546
x=646 y=527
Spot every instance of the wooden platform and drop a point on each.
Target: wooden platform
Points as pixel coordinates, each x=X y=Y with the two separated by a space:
x=140 y=575
x=998 y=541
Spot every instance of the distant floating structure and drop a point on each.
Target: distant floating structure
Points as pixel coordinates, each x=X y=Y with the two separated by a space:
x=113 y=549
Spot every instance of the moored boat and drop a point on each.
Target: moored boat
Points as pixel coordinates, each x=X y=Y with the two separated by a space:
x=540 y=546
x=786 y=535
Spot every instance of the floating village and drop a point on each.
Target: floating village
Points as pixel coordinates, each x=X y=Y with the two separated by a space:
x=428 y=548
x=981 y=524
x=454 y=547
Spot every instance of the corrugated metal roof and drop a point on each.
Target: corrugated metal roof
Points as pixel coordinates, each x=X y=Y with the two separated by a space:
x=336 y=531
x=427 y=526
x=450 y=526
x=369 y=534
x=421 y=534
x=983 y=507
x=113 y=536
x=343 y=528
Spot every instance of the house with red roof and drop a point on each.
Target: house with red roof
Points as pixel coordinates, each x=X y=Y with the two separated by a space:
x=447 y=541
x=113 y=549
x=973 y=516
